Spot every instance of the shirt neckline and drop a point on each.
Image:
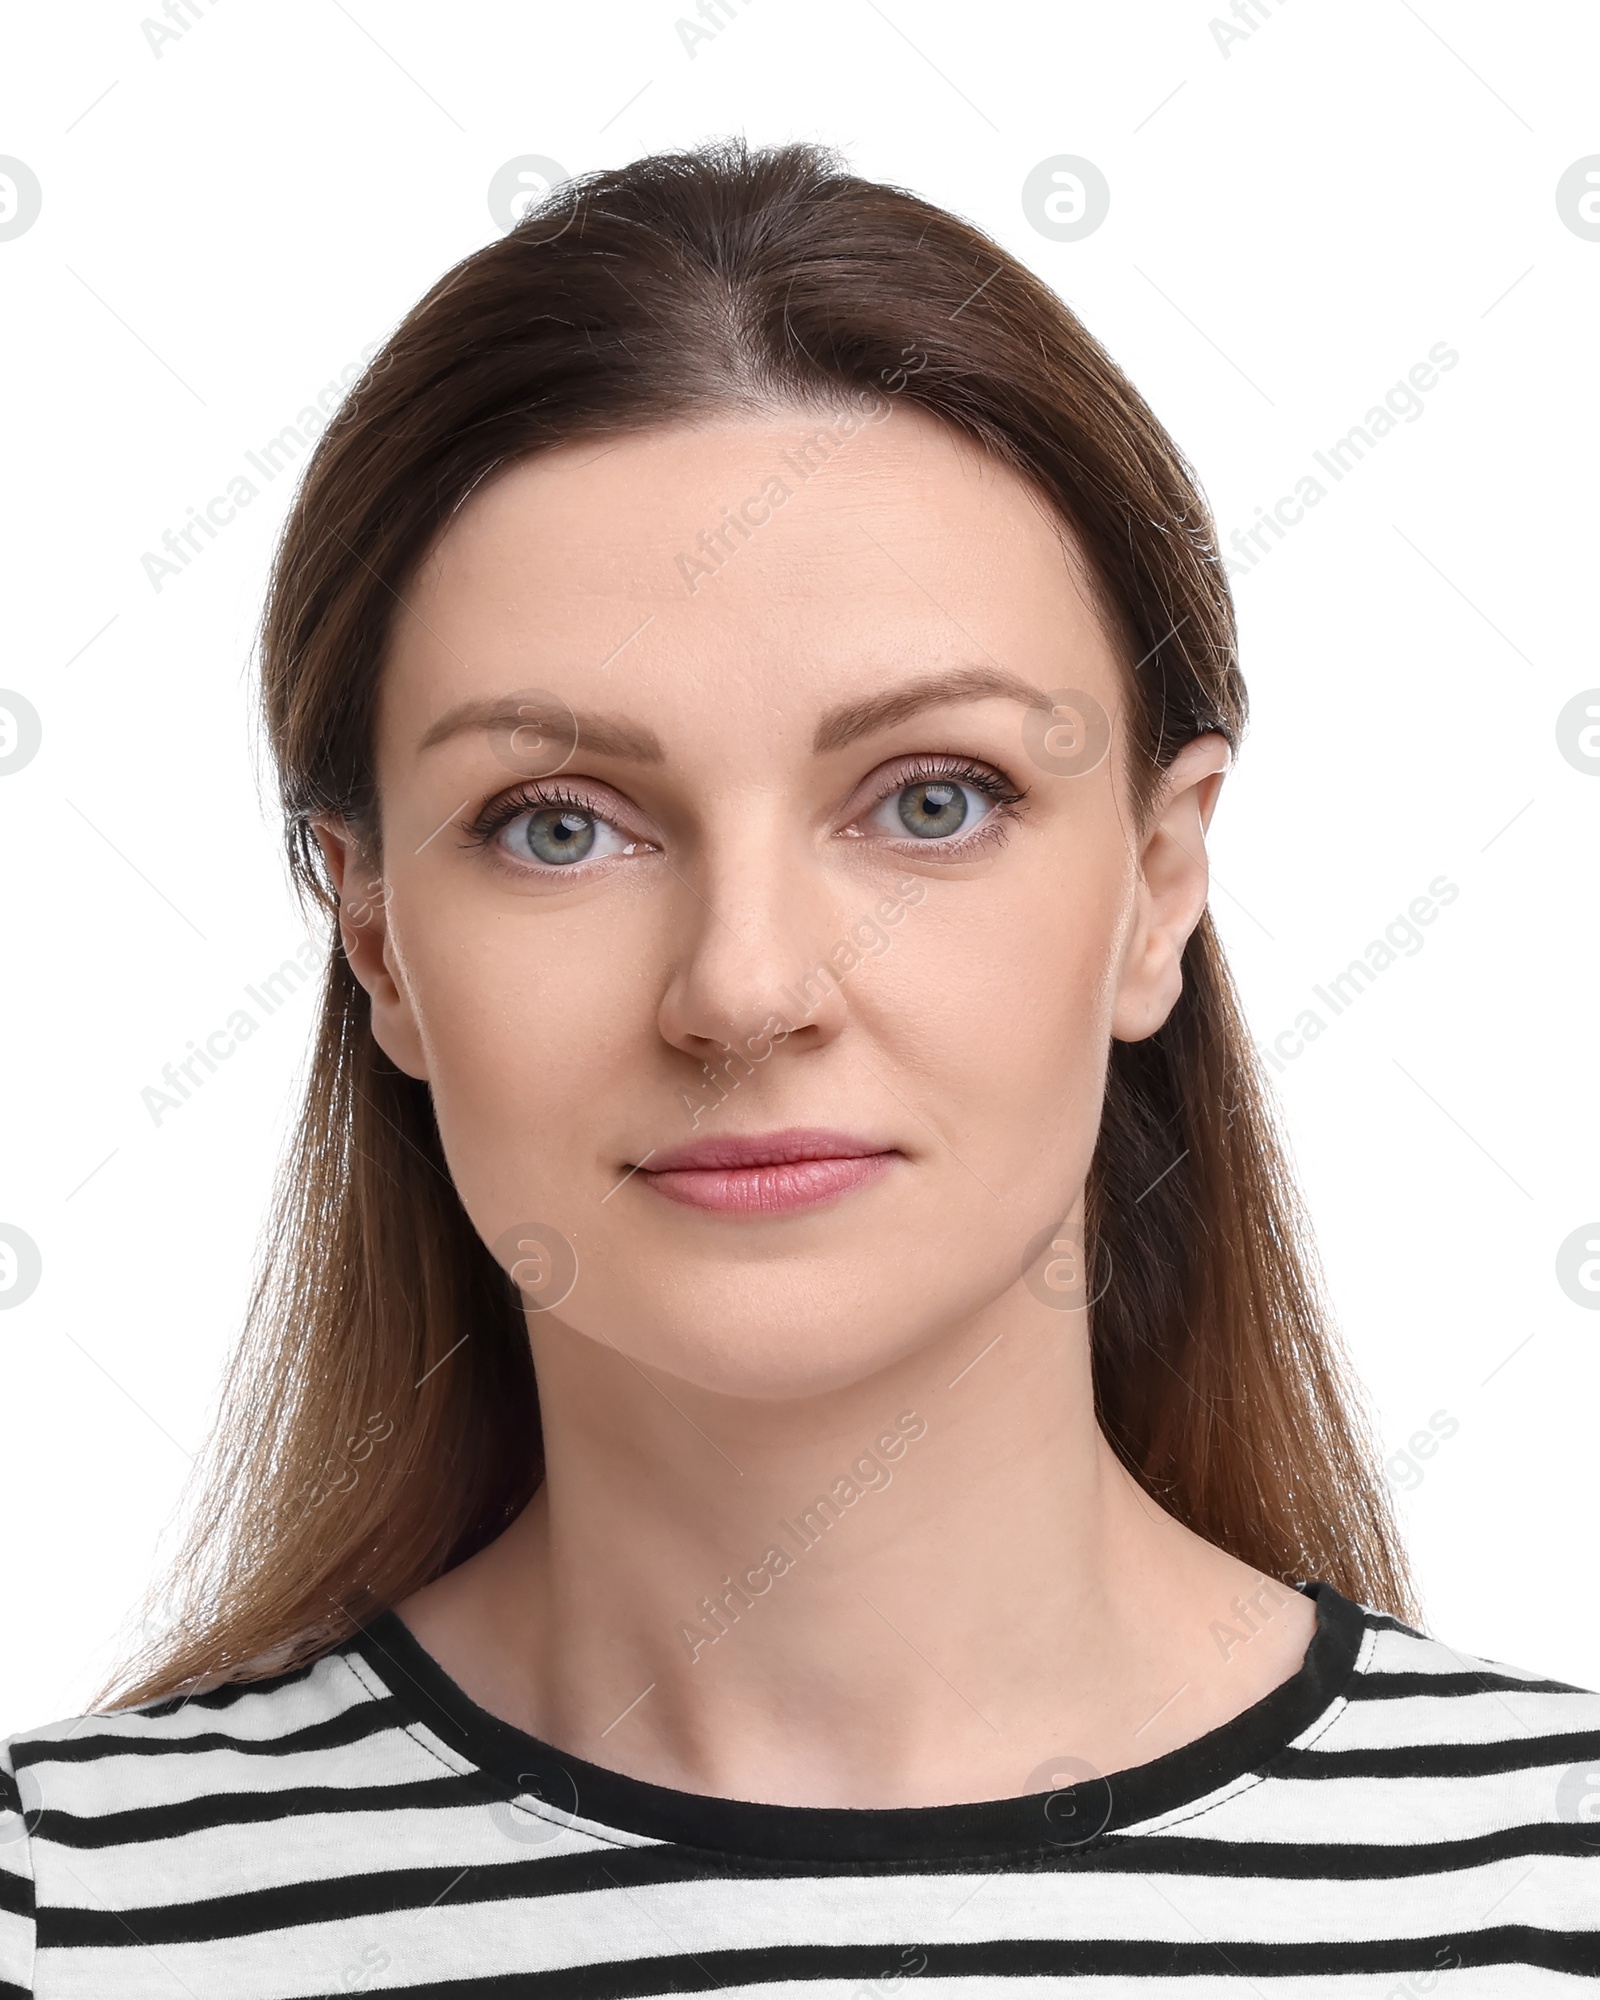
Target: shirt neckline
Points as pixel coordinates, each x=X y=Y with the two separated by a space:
x=550 y=1783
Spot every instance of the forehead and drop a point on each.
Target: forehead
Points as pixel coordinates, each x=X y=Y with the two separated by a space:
x=775 y=564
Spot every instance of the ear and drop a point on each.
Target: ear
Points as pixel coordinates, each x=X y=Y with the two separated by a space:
x=364 y=931
x=1174 y=876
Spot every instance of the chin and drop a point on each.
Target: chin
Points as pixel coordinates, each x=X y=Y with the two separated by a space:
x=766 y=1347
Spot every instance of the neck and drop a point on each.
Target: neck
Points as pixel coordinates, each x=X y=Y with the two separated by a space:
x=917 y=1589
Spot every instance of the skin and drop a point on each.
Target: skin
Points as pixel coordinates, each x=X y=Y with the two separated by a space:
x=1002 y=1593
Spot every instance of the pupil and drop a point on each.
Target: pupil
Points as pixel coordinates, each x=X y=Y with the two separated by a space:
x=560 y=835
x=933 y=808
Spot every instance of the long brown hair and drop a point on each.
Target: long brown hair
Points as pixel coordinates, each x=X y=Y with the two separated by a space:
x=380 y=1421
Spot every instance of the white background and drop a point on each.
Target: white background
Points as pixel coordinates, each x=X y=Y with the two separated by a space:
x=1294 y=222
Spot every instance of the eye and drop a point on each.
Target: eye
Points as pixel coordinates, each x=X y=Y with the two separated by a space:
x=561 y=835
x=957 y=805
x=544 y=830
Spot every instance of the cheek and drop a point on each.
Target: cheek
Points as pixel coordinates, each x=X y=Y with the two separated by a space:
x=530 y=1022
x=1001 y=1003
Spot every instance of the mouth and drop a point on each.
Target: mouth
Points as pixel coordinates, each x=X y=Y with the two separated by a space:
x=768 y=1173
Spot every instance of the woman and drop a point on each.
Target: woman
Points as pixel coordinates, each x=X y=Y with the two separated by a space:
x=789 y=1431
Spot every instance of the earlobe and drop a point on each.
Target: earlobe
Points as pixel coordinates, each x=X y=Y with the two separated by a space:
x=1149 y=990
x=362 y=894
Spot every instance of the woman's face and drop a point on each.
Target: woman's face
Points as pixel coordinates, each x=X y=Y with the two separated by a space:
x=730 y=802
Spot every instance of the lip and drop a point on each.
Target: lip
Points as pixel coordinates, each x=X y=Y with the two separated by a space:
x=766 y=1173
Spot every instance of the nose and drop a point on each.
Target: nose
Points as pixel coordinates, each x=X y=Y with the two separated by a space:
x=752 y=960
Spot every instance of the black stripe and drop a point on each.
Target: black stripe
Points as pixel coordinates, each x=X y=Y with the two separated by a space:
x=166 y=1822
x=334 y=1732
x=1352 y=1861
x=16 y=1894
x=1441 y=1760
x=633 y=1979
x=529 y=1877
x=1347 y=1861
x=390 y=1893
x=1391 y=1687
x=220 y=1697
x=10 y=1992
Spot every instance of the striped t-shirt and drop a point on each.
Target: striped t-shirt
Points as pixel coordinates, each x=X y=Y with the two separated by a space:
x=1396 y=1819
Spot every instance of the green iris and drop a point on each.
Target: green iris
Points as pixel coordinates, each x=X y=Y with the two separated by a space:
x=560 y=835
x=933 y=808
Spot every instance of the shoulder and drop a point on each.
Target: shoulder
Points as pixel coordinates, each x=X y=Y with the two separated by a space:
x=1428 y=1762
x=239 y=1712
x=1466 y=1764
x=243 y=1752
x=116 y=1821
x=1474 y=1714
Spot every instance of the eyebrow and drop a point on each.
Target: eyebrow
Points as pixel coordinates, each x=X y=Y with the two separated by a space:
x=614 y=736
x=878 y=711
x=605 y=735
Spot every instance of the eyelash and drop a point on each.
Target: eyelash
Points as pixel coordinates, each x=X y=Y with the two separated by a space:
x=1002 y=794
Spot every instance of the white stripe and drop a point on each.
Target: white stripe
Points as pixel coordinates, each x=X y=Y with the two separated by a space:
x=1495 y=1716
x=1399 y=1653
x=1379 y=1812
x=128 y=1784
